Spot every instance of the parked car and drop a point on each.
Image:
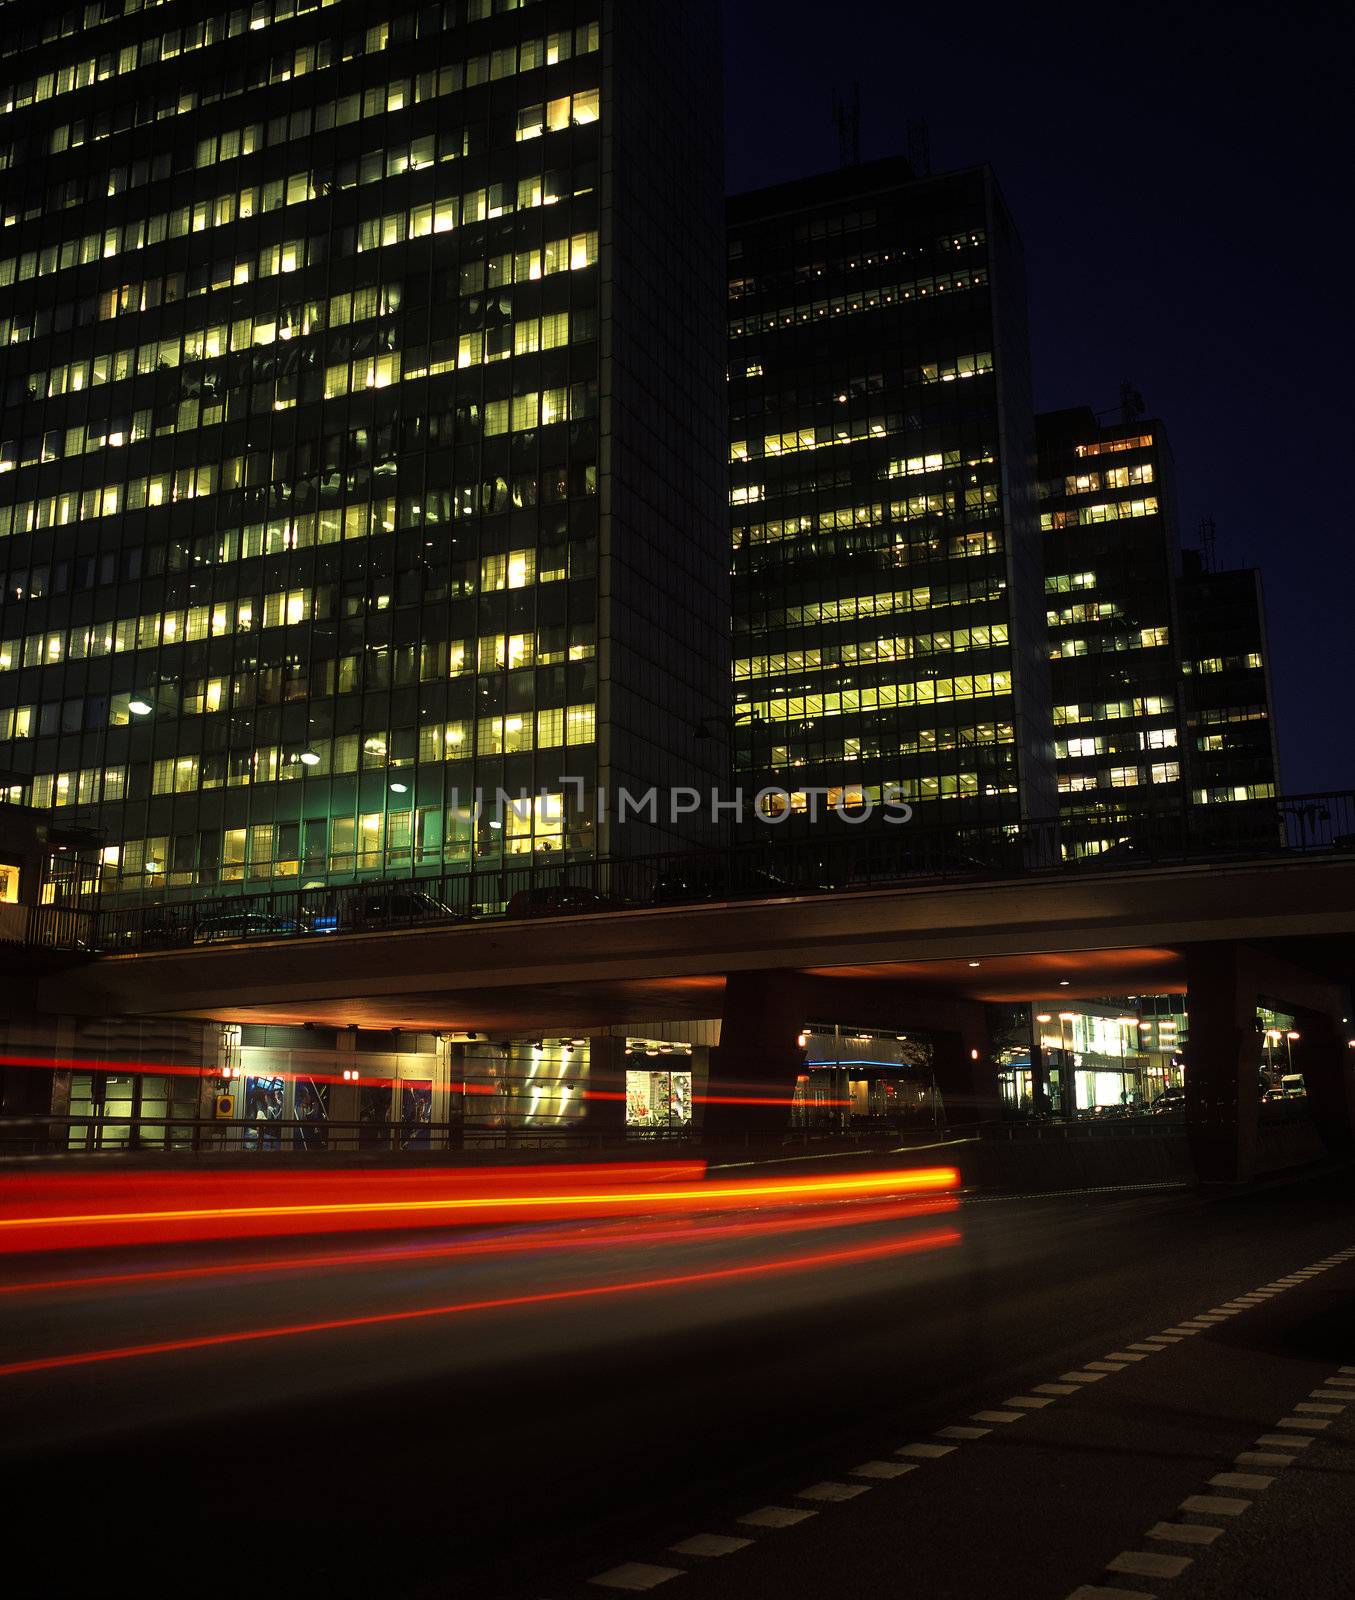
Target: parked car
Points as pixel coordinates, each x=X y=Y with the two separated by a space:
x=559 y=900
x=1170 y=1103
x=381 y=906
x=229 y=927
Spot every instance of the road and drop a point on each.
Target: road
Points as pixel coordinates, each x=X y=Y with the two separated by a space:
x=1015 y=1399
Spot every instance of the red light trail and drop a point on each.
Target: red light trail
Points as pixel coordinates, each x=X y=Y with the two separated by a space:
x=799 y=1263
x=629 y=1232
x=170 y=1208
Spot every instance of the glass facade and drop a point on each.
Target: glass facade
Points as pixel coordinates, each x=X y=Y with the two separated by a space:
x=1230 y=724
x=887 y=622
x=1160 y=685
x=1107 y=512
x=363 y=428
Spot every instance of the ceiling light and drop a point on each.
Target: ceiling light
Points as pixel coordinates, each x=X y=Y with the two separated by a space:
x=139 y=708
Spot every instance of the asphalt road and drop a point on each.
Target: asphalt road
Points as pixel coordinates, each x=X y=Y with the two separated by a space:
x=780 y=1417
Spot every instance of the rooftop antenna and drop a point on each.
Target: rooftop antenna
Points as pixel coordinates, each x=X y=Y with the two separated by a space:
x=847 y=116
x=1131 y=402
x=1208 y=545
x=920 y=147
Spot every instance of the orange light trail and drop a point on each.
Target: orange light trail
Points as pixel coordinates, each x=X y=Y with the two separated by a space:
x=800 y=1263
x=629 y=1232
x=307 y=1203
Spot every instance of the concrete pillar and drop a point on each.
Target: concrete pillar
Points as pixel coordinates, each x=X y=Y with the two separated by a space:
x=1222 y=1099
x=965 y=1074
x=1328 y=1067
x=606 y=1115
x=754 y=1067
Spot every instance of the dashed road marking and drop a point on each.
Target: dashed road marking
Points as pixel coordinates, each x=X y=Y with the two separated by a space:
x=1262 y=1458
x=1241 y=1480
x=1310 y=1408
x=883 y=1469
x=1055 y=1388
x=636 y=1575
x=1291 y=1441
x=709 y=1544
x=1214 y=1505
x=961 y=1431
x=1081 y=1377
x=775 y=1517
x=1123 y=1356
x=1030 y=1401
x=1308 y=1424
x=926 y=1452
x=1149 y=1564
x=1185 y=1532
x=1106 y=1366
x=998 y=1416
x=832 y=1491
x=1092 y=1591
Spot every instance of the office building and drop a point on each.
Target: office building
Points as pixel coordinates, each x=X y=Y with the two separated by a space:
x=1112 y=565
x=888 y=626
x=363 y=400
x=1229 y=713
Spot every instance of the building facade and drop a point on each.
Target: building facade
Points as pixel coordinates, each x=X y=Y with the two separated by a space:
x=1160 y=670
x=362 y=382
x=1229 y=712
x=1112 y=572
x=888 y=628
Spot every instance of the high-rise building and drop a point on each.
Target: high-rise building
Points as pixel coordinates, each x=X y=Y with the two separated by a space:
x=1111 y=588
x=888 y=618
x=362 y=443
x=1159 y=664
x=1229 y=715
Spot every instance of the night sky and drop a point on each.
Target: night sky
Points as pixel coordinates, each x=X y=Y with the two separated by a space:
x=1182 y=179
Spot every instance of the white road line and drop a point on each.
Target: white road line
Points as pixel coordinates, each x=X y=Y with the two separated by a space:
x=1149 y=1564
x=1055 y=1388
x=1241 y=1480
x=1343 y=1395
x=1031 y=1401
x=1182 y=1331
x=1106 y=1366
x=709 y=1544
x=883 y=1469
x=1147 y=1349
x=998 y=1416
x=1349 y=1371
x=775 y=1517
x=1185 y=1532
x=1343 y=1382
x=1081 y=1377
x=1291 y=1441
x=1262 y=1458
x=960 y=1431
x=636 y=1575
x=832 y=1491
x=926 y=1452
x=1308 y=1424
x=1123 y=1356
x=1159 y=1339
x=1310 y=1408
x=1214 y=1505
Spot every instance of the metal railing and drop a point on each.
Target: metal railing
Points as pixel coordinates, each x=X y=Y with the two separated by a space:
x=837 y=857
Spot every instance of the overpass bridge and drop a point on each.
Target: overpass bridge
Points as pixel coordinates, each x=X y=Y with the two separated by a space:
x=927 y=955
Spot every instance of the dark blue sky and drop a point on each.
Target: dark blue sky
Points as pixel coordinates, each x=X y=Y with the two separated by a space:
x=1182 y=178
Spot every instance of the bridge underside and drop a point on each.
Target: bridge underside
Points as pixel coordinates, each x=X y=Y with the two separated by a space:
x=928 y=958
